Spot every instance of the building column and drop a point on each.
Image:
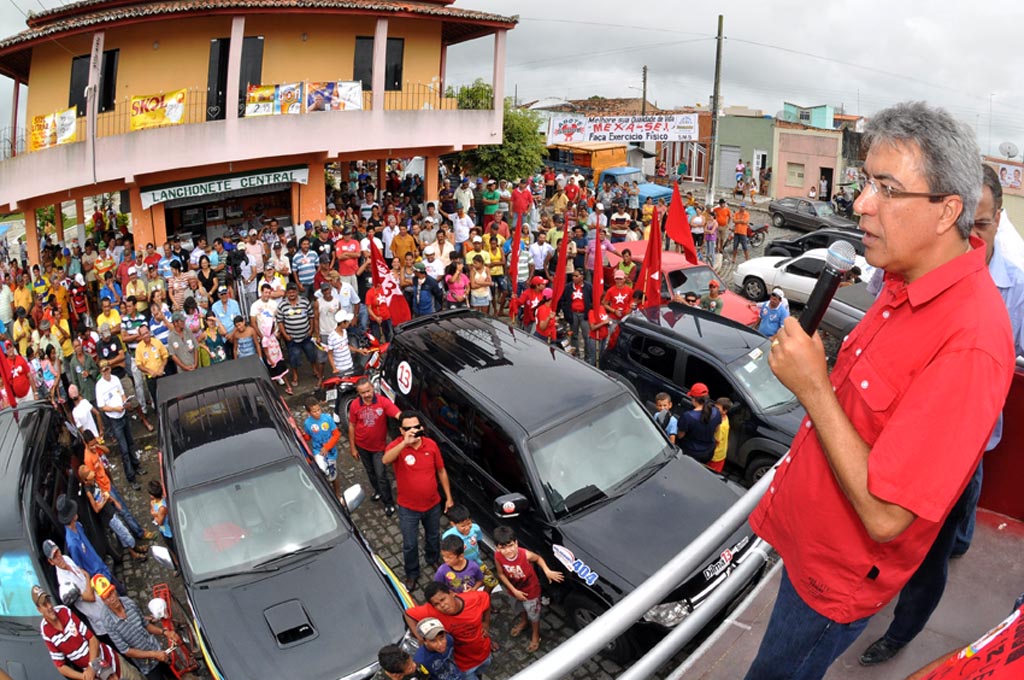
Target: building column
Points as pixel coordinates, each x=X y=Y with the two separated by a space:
x=498 y=78
x=234 y=68
x=380 y=51
x=430 y=180
x=80 y=216
x=443 y=67
x=31 y=234
x=382 y=176
x=58 y=220
x=14 y=118
x=143 y=230
x=297 y=218
x=313 y=196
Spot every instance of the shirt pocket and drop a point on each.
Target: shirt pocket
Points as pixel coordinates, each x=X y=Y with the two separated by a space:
x=874 y=395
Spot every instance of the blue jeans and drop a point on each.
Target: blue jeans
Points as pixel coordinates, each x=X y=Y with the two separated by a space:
x=594 y=349
x=122 y=429
x=475 y=672
x=409 y=522
x=296 y=348
x=921 y=595
x=965 y=532
x=800 y=643
x=126 y=514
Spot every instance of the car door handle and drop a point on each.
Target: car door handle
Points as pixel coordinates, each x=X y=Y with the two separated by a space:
x=631 y=374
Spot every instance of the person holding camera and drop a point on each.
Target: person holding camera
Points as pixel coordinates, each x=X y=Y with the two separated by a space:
x=418 y=467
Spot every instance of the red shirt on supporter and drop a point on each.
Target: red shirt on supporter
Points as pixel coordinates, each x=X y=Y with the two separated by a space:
x=545 y=311
x=375 y=301
x=69 y=644
x=521 y=200
x=572 y=192
x=472 y=647
x=349 y=266
x=371 y=421
x=620 y=300
x=595 y=316
x=920 y=458
x=416 y=474
x=520 y=572
x=577 y=304
x=529 y=301
x=20 y=377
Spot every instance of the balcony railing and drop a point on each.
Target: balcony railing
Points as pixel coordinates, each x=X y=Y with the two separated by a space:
x=412 y=97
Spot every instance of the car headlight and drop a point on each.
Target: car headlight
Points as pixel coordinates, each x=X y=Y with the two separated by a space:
x=669 y=614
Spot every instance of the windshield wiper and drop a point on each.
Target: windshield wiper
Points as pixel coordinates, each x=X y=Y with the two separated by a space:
x=640 y=475
x=581 y=498
x=17 y=627
x=265 y=565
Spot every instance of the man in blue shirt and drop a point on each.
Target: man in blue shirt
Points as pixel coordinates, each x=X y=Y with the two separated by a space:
x=426 y=294
x=437 y=653
x=226 y=309
x=77 y=545
x=772 y=314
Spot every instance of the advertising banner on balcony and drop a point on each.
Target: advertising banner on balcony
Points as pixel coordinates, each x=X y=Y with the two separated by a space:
x=260 y=100
x=289 y=98
x=53 y=129
x=334 y=96
x=679 y=127
x=157 y=110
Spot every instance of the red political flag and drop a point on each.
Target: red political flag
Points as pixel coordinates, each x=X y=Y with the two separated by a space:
x=513 y=268
x=391 y=290
x=650 y=273
x=563 y=253
x=678 y=227
x=598 y=279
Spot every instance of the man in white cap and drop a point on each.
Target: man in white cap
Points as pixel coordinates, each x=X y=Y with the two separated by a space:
x=597 y=218
x=437 y=653
x=434 y=265
x=255 y=250
x=461 y=226
x=339 y=352
x=428 y=231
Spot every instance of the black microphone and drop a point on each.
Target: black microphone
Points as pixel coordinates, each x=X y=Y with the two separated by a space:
x=838 y=261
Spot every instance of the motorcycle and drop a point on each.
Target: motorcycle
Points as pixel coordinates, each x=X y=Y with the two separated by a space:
x=341 y=389
x=757 y=237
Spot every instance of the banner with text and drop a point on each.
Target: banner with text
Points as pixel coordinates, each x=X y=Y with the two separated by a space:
x=677 y=127
x=53 y=129
x=334 y=96
x=213 y=187
x=273 y=100
x=157 y=110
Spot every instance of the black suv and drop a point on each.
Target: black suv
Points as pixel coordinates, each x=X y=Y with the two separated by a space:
x=821 y=238
x=277 y=575
x=668 y=349
x=537 y=440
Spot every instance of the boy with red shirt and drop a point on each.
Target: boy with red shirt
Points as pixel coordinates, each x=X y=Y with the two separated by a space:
x=517 y=575
x=418 y=468
x=547 y=323
x=532 y=298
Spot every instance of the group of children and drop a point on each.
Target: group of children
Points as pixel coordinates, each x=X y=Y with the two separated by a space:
x=670 y=423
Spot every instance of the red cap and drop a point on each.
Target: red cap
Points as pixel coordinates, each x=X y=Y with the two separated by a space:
x=698 y=390
x=537 y=280
x=713 y=284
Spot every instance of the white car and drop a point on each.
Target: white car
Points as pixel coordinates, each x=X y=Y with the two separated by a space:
x=796 y=276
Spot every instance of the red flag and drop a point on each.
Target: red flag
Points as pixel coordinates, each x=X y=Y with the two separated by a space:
x=650 y=273
x=391 y=291
x=513 y=268
x=563 y=254
x=678 y=227
x=598 y=278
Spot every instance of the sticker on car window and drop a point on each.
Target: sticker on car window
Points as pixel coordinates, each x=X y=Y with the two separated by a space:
x=404 y=377
x=568 y=559
x=755 y=354
x=750 y=367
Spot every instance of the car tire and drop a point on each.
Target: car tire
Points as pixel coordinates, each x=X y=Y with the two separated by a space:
x=778 y=220
x=757 y=467
x=346 y=402
x=621 y=379
x=777 y=252
x=582 y=611
x=754 y=289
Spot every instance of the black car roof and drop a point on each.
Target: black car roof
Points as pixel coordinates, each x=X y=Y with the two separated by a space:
x=16 y=427
x=537 y=384
x=192 y=382
x=718 y=336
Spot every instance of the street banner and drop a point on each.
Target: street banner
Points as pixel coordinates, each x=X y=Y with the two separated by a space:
x=157 y=110
x=569 y=128
x=677 y=226
x=261 y=100
x=1009 y=176
x=392 y=291
x=53 y=129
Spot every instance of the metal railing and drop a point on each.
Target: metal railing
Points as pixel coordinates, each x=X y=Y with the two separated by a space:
x=583 y=646
x=13 y=142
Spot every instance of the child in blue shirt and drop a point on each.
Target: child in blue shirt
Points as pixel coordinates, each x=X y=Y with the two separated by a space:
x=464 y=528
x=323 y=435
x=664 y=417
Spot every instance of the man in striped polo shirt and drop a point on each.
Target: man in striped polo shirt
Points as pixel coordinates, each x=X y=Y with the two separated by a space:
x=296 y=323
x=132 y=634
x=304 y=265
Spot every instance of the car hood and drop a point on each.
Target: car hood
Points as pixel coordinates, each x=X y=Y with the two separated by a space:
x=737 y=308
x=353 y=616
x=663 y=514
x=785 y=420
x=837 y=221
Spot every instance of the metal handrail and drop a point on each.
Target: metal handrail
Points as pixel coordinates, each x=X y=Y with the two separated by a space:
x=582 y=647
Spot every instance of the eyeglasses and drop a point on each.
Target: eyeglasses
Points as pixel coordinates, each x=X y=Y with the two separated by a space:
x=887 y=191
x=411 y=427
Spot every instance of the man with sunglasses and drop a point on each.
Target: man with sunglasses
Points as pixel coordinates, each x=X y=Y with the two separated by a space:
x=418 y=467
x=881 y=482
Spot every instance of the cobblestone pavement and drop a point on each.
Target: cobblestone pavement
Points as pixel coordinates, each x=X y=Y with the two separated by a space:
x=384 y=536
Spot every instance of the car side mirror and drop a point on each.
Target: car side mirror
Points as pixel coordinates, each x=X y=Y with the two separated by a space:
x=353 y=497
x=162 y=556
x=510 y=505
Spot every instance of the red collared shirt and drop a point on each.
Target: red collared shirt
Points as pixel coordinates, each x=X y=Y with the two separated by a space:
x=943 y=337
x=371 y=421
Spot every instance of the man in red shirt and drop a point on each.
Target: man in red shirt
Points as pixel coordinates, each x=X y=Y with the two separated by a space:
x=368 y=435
x=21 y=389
x=530 y=300
x=346 y=252
x=466 y=616
x=572 y=190
x=880 y=458
x=618 y=300
x=418 y=467
x=522 y=200
x=597 y=335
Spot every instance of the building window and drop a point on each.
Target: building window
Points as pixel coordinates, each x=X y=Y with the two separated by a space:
x=795 y=175
x=363 y=68
x=250 y=73
x=80 y=81
x=805 y=115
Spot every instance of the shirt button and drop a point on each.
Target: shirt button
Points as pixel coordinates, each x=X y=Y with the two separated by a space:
x=845 y=338
x=863 y=384
x=772 y=489
x=885 y=314
x=857 y=353
x=807 y=424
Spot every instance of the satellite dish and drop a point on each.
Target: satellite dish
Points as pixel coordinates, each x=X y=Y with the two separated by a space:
x=1009 y=149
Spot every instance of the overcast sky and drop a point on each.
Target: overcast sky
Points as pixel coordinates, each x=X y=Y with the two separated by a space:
x=859 y=55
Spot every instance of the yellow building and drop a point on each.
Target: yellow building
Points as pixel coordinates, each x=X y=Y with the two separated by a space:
x=205 y=111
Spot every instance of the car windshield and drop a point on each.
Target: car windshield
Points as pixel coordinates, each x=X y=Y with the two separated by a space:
x=824 y=209
x=693 y=279
x=636 y=176
x=231 y=526
x=596 y=454
x=17 y=576
x=753 y=372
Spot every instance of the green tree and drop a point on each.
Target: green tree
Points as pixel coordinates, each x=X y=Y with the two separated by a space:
x=521 y=152
x=478 y=96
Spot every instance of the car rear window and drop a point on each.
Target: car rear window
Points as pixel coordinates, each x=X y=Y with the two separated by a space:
x=210 y=416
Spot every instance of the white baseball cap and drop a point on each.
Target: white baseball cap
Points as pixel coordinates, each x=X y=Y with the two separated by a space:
x=599 y=206
x=343 y=316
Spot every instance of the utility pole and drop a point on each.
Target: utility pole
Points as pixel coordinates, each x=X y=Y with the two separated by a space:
x=643 y=102
x=713 y=160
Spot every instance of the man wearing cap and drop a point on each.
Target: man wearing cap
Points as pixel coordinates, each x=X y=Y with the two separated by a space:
x=426 y=293
x=74 y=587
x=279 y=259
x=461 y=226
x=463 y=196
x=437 y=652
x=296 y=324
x=428 y=231
x=741 y=232
x=77 y=544
x=21 y=387
x=541 y=253
x=74 y=648
x=225 y=309
x=132 y=634
x=181 y=344
x=530 y=300
x=772 y=314
x=597 y=219
x=618 y=300
x=712 y=302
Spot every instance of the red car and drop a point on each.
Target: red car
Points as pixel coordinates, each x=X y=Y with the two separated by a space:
x=680 y=276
